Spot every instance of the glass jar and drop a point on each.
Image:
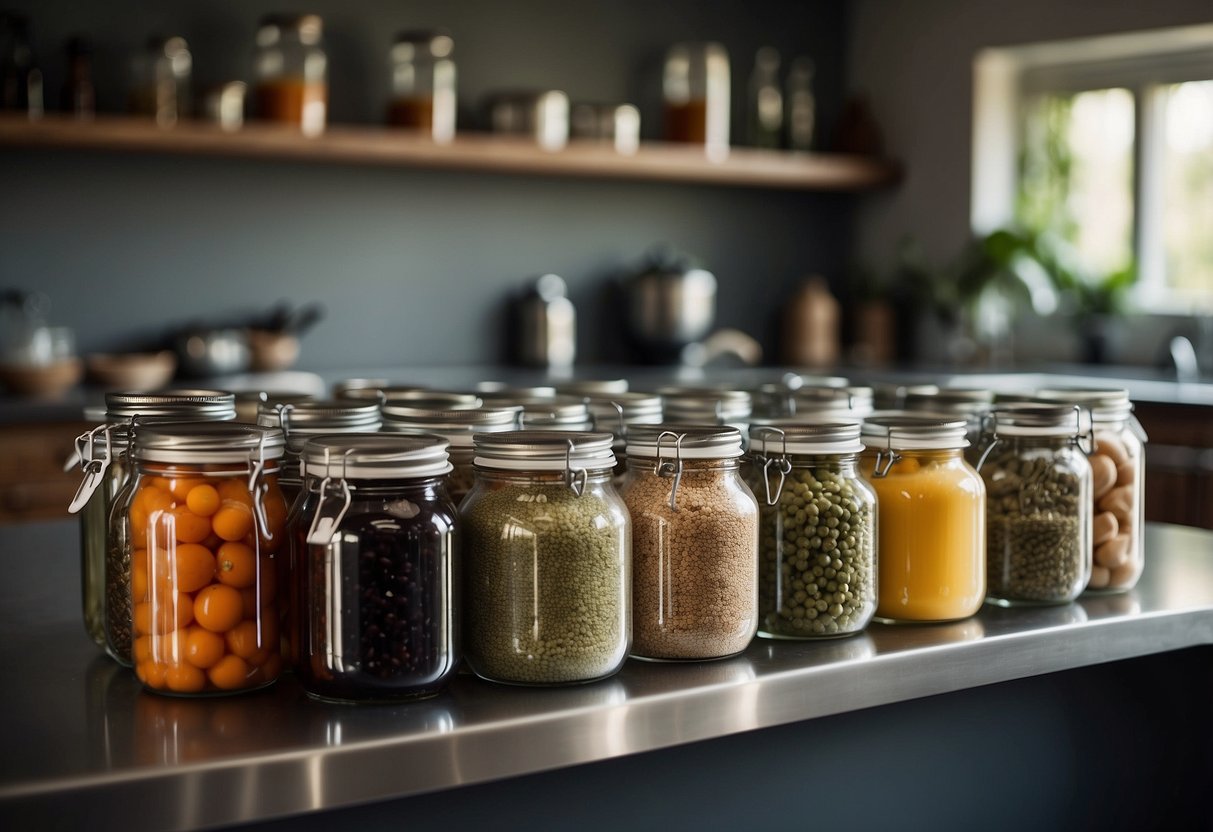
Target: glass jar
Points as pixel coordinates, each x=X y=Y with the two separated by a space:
x=423 y=84
x=546 y=560
x=105 y=583
x=617 y=413
x=707 y=406
x=162 y=81
x=695 y=89
x=201 y=526
x=304 y=418
x=1038 y=500
x=818 y=536
x=291 y=72
x=376 y=580
x=458 y=426
x=546 y=412
x=1117 y=457
x=970 y=403
x=932 y=548
x=694 y=543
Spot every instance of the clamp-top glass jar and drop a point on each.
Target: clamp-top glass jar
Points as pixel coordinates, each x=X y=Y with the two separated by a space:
x=818 y=535
x=707 y=406
x=376 y=582
x=303 y=419
x=694 y=543
x=1117 y=460
x=458 y=426
x=932 y=547
x=541 y=413
x=201 y=525
x=546 y=560
x=103 y=451
x=968 y=403
x=423 y=84
x=1038 y=504
x=291 y=68
x=617 y=413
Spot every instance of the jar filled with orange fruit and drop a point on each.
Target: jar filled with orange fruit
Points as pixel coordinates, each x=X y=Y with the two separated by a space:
x=103 y=455
x=202 y=524
x=292 y=72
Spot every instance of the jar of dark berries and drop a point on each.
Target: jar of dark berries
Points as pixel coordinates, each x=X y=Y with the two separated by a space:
x=375 y=587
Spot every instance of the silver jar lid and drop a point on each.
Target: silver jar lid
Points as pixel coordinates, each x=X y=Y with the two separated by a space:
x=788 y=436
x=1108 y=404
x=183 y=404
x=914 y=432
x=456 y=425
x=203 y=442
x=544 y=450
x=593 y=387
x=965 y=400
x=1027 y=419
x=705 y=404
x=567 y=413
x=684 y=441
x=505 y=390
x=615 y=411
x=313 y=417
x=375 y=456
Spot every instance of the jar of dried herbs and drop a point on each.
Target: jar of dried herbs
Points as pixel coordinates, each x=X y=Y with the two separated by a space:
x=1038 y=504
x=546 y=559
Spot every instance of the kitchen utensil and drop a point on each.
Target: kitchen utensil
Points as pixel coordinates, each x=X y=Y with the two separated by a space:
x=669 y=304
x=545 y=334
x=205 y=352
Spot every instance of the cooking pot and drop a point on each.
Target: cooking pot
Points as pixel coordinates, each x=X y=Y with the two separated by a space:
x=669 y=304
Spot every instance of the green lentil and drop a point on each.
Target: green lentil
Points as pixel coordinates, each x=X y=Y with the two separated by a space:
x=816 y=577
x=547 y=583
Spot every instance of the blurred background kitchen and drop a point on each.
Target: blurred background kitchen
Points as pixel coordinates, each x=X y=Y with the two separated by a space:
x=895 y=186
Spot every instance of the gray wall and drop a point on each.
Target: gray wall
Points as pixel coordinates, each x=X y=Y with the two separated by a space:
x=413 y=266
x=915 y=60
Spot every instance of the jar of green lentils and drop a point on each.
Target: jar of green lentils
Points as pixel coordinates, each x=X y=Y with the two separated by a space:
x=1038 y=504
x=817 y=530
x=694 y=543
x=546 y=559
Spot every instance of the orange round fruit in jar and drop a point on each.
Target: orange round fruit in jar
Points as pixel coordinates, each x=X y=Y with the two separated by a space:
x=236 y=490
x=202 y=647
x=189 y=527
x=233 y=521
x=152 y=673
x=243 y=639
x=189 y=566
x=203 y=500
x=237 y=565
x=184 y=678
x=218 y=608
x=180 y=487
x=229 y=673
x=163 y=613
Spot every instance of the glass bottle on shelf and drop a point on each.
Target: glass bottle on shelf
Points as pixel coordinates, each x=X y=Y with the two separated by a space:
x=764 y=106
x=162 y=81
x=695 y=89
x=423 y=84
x=20 y=77
x=800 y=105
x=291 y=71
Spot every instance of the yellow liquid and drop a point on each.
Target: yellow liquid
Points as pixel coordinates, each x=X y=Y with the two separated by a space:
x=932 y=538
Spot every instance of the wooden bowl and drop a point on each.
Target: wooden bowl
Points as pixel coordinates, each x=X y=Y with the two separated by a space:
x=132 y=370
x=41 y=379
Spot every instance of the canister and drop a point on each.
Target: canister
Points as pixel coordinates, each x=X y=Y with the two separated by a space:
x=546 y=559
x=694 y=543
x=202 y=525
x=423 y=84
x=931 y=550
x=377 y=578
x=1117 y=457
x=1038 y=504
x=103 y=454
x=817 y=532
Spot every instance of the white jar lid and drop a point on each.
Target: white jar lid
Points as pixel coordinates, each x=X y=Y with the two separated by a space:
x=670 y=441
x=787 y=436
x=543 y=450
x=914 y=432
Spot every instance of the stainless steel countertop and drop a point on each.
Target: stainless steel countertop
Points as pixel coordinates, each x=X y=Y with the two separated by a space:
x=83 y=744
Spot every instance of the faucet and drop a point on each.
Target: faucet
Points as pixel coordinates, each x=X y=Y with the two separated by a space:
x=1183 y=358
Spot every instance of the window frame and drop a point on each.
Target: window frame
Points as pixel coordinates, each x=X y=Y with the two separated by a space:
x=1005 y=78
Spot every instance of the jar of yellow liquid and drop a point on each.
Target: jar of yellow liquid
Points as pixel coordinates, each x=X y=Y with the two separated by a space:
x=932 y=541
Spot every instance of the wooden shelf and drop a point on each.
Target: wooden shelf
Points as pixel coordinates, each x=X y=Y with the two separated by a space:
x=659 y=162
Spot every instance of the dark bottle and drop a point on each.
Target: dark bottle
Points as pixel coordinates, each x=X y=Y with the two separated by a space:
x=20 y=78
x=79 y=96
x=375 y=534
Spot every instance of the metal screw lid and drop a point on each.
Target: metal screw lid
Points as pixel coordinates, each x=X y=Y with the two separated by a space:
x=544 y=450
x=697 y=404
x=183 y=404
x=457 y=425
x=202 y=442
x=1107 y=404
x=951 y=400
x=549 y=413
x=375 y=456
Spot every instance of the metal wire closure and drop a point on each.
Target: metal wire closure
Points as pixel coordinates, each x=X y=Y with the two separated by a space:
x=992 y=420
x=782 y=465
x=94 y=469
x=284 y=414
x=325 y=525
x=666 y=468
x=888 y=456
x=258 y=487
x=571 y=474
x=623 y=426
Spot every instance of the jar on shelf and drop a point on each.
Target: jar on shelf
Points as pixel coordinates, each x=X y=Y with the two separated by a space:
x=694 y=543
x=458 y=426
x=376 y=584
x=103 y=453
x=162 y=81
x=423 y=84
x=304 y=418
x=932 y=545
x=1117 y=457
x=201 y=526
x=695 y=90
x=1038 y=504
x=817 y=532
x=970 y=403
x=546 y=560
x=291 y=72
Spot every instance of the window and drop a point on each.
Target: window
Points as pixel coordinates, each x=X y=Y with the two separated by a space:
x=1105 y=143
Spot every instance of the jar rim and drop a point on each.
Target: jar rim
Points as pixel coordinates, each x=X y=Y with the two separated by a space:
x=673 y=440
x=911 y=431
x=202 y=442
x=543 y=450
x=182 y=403
x=375 y=456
